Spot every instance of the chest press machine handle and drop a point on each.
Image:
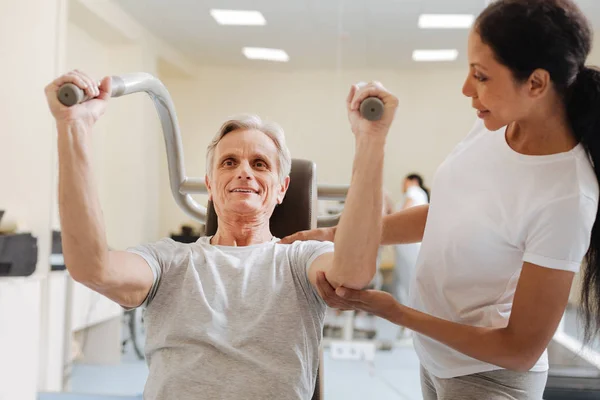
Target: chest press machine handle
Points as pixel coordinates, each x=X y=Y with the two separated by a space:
x=182 y=186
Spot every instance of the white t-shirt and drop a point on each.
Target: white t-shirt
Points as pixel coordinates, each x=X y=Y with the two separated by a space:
x=416 y=194
x=492 y=210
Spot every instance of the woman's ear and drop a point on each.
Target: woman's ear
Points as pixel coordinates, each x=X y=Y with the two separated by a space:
x=538 y=82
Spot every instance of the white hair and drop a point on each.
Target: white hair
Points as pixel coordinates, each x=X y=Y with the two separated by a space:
x=271 y=129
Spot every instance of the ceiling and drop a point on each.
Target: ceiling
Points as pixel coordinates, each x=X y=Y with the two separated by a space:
x=341 y=34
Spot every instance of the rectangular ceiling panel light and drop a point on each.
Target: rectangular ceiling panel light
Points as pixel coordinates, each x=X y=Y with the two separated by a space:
x=258 y=53
x=446 y=21
x=238 y=17
x=435 y=55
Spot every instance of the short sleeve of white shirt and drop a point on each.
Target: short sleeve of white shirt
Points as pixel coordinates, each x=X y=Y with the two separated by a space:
x=559 y=234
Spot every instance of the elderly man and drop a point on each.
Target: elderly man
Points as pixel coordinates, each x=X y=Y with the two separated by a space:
x=236 y=315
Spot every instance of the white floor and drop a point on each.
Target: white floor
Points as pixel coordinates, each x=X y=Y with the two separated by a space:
x=392 y=375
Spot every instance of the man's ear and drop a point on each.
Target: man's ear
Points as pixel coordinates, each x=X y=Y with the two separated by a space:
x=207 y=182
x=283 y=189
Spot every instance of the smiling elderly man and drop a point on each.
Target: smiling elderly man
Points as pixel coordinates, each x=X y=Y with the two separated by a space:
x=236 y=315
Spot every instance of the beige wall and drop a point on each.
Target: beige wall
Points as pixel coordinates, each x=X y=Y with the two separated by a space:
x=30 y=58
x=432 y=117
x=127 y=141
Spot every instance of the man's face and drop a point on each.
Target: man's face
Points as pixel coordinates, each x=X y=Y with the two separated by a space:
x=245 y=176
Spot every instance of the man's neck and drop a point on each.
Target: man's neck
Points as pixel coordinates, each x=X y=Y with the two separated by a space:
x=241 y=235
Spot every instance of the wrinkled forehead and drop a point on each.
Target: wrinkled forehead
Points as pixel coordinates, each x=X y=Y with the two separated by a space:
x=246 y=143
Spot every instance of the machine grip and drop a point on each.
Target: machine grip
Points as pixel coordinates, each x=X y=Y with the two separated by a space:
x=371 y=108
x=70 y=94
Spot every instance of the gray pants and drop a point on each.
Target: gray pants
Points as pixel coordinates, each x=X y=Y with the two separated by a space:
x=495 y=385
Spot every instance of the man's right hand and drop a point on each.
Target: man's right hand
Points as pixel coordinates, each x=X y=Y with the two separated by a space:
x=89 y=111
x=320 y=234
x=359 y=124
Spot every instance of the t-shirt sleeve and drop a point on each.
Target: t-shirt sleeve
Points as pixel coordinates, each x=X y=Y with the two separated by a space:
x=304 y=253
x=158 y=256
x=558 y=237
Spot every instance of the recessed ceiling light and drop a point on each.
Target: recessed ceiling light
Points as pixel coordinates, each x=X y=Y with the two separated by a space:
x=238 y=17
x=446 y=21
x=258 y=53
x=435 y=55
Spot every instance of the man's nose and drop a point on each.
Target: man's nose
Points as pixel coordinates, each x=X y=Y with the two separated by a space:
x=244 y=171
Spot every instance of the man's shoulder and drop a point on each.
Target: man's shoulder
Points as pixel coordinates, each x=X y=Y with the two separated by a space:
x=170 y=244
x=307 y=245
x=165 y=249
x=308 y=248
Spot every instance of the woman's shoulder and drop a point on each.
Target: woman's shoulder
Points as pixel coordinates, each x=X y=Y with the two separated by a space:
x=587 y=180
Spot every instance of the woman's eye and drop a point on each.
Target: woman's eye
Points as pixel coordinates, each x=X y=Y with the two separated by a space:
x=260 y=164
x=480 y=78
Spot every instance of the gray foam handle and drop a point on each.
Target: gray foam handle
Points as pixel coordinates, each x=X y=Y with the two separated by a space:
x=70 y=94
x=371 y=108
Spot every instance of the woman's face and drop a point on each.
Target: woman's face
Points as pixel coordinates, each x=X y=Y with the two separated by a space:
x=497 y=97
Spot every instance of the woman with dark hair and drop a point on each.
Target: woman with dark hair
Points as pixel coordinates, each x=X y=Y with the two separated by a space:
x=513 y=211
x=415 y=181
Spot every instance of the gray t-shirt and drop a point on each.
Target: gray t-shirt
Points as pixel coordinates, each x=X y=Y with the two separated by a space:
x=232 y=322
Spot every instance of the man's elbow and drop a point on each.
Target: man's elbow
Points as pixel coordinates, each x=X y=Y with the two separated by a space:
x=93 y=278
x=354 y=280
x=89 y=270
x=80 y=275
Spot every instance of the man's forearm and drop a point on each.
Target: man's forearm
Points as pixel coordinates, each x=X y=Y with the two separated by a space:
x=358 y=233
x=83 y=233
x=406 y=226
